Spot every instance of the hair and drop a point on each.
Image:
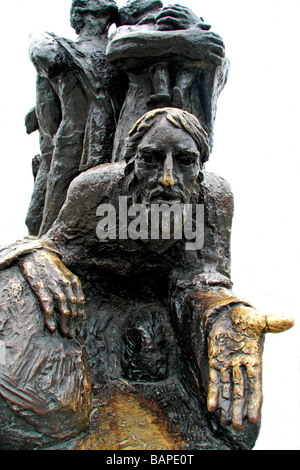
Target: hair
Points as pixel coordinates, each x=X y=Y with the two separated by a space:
x=176 y=117
x=130 y=13
x=107 y=7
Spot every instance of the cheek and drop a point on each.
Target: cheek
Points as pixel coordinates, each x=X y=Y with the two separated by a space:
x=96 y=23
x=194 y=173
x=189 y=175
x=139 y=171
x=145 y=174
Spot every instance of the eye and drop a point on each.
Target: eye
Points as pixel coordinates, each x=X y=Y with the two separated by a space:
x=147 y=158
x=150 y=157
x=93 y=13
x=97 y=14
x=186 y=159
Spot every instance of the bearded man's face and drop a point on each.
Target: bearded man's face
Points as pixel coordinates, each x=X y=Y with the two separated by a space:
x=167 y=166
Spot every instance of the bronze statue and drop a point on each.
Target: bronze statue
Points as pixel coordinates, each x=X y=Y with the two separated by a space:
x=78 y=101
x=80 y=94
x=120 y=326
x=188 y=72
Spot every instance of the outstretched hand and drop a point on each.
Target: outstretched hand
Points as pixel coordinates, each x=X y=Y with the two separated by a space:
x=235 y=346
x=58 y=290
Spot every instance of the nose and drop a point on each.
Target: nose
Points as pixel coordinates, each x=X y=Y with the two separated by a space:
x=168 y=179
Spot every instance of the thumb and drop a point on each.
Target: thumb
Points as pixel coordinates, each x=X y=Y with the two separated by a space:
x=277 y=323
x=204 y=26
x=244 y=316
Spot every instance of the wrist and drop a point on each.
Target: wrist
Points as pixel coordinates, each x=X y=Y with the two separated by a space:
x=14 y=253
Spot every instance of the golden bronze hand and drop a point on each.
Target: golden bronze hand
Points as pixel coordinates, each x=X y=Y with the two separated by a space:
x=235 y=346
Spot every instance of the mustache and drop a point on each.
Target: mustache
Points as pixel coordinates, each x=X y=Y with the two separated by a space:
x=165 y=194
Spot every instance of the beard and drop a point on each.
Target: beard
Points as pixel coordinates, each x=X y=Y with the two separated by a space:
x=164 y=195
x=165 y=207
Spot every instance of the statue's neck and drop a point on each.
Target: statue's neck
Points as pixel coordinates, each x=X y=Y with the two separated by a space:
x=91 y=35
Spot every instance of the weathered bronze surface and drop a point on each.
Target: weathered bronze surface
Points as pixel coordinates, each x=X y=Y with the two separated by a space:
x=129 y=341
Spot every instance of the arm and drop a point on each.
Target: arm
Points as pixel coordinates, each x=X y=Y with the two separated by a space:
x=221 y=334
x=175 y=31
x=48 y=107
x=222 y=337
x=46 y=263
x=141 y=42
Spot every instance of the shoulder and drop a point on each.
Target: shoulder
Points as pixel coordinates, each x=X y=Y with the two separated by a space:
x=217 y=194
x=100 y=180
x=86 y=192
x=215 y=185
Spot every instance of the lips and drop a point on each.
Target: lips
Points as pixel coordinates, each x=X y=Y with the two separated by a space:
x=164 y=197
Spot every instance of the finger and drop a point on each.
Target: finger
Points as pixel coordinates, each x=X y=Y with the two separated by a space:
x=179 y=7
x=77 y=289
x=226 y=397
x=63 y=317
x=216 y=37
x=80 y=317
x=176 y=8
x=73 y=291
x=70 y=296
x=217 y=50
x=172 y=12
x=43 y=296
x=238 y=398
x=277 y=323
x=72 y=303
x=48 y=307
x=217 y=60
x=171 y=21
x=204 y=26
x=183 y=12
x=254 y=399
x=213 y=390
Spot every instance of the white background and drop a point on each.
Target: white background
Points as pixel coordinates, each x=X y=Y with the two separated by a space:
x=256 y=150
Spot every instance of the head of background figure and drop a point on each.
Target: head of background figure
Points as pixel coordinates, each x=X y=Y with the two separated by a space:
x=136 y=10
x=168 y=130
x=104 y=13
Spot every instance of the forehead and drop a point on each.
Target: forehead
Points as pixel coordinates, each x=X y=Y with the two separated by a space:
x=163 y=134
